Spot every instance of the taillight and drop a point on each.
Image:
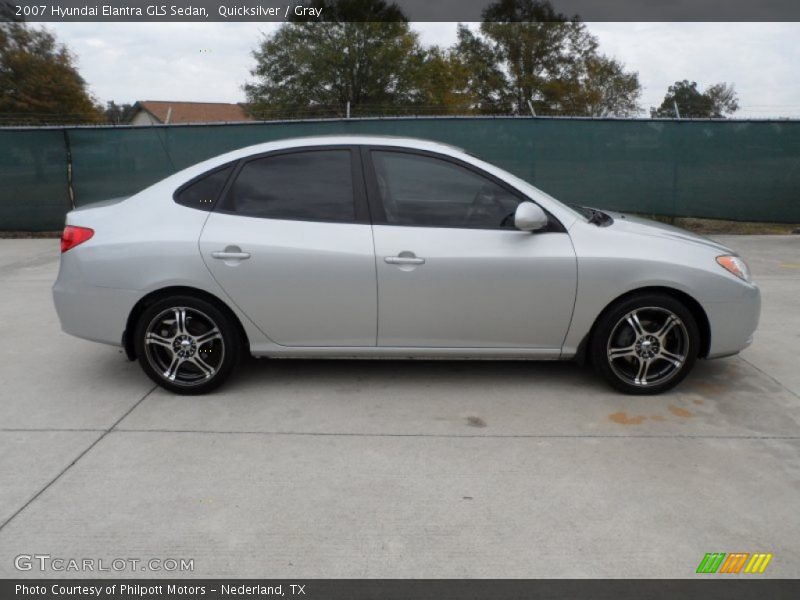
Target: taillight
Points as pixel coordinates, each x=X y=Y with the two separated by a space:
x=73 y=236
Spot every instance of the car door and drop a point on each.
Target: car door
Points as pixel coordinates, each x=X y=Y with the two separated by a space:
x=291 y=244
x=453 y=272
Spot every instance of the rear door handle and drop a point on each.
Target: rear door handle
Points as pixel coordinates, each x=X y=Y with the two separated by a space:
x=404 y=260
x=230 y=255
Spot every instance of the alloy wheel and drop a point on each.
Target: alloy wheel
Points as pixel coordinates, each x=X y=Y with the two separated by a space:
x=184 y=346
x=648 y=346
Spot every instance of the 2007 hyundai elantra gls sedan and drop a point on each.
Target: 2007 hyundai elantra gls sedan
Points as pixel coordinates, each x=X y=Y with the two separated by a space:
x=376 y=247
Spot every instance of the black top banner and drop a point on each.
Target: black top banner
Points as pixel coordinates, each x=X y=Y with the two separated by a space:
x=387 y=10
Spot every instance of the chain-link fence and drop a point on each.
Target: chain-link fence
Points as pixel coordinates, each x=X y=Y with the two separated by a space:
x=723 y=169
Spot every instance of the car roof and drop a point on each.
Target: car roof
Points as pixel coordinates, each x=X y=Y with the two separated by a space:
x=335 y=140
x=389 y=140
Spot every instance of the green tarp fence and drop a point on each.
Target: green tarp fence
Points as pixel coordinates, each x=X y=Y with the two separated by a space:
x=738 y=170
x=33 y=180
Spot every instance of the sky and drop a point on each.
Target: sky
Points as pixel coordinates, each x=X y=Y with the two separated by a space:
x=209 y=62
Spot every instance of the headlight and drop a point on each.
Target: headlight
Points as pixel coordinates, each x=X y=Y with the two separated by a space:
x=735 y=265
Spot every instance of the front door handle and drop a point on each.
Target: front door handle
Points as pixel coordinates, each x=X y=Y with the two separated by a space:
x=404 y=260
x=230 y=255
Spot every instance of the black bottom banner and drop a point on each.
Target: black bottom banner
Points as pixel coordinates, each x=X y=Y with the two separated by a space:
x=405 y=589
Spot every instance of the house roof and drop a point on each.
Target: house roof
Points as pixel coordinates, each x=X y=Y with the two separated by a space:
x=194 y=112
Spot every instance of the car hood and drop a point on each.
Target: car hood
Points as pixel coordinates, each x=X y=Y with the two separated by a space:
x=641 y=226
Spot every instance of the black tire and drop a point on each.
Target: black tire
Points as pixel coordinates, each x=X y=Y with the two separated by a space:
x=662 y=343
x=193 y=358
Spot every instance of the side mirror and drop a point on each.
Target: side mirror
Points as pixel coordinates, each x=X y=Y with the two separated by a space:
x=529 y=217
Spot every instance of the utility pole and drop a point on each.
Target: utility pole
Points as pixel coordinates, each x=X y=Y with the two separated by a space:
x=348 y=109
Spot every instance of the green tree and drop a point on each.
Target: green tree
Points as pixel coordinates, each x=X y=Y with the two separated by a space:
x=118 y=114
x=608 y=90
x=313 y=68
x=440 y=87
x=483 y=85
x=528 y=52
x=39 y=82
x=716 y=102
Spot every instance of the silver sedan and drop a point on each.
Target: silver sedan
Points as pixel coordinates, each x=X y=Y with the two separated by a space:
x=375 y=247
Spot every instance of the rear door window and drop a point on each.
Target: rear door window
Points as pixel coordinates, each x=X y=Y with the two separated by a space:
x=314 y=185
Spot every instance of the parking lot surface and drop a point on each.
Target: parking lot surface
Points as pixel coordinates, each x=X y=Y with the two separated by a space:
x=300 y=468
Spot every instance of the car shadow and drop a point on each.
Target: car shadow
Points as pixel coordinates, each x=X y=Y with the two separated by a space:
x=399 y=372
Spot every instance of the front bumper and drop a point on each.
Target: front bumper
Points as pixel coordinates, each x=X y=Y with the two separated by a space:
x=733 y=322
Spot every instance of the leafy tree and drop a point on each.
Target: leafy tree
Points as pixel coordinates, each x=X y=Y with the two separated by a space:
x=38 y=79
x=118 y=114
x=608 y=90
x=723 y=98
x=312 y=66
x=525 y=52
x=441 y=80
x=716 y=102
x=483 y=84
x=528 y=52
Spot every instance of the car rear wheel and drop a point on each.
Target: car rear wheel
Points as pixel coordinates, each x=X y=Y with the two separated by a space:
x=186 y=345
x=645 y=344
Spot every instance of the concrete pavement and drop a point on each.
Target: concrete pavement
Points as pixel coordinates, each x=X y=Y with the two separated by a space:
x=396 y=469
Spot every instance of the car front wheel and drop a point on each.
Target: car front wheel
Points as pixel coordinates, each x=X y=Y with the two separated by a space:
x=645 y=344
x=186 y=345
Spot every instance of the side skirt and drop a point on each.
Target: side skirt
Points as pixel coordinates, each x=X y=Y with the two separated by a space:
x=372 y=352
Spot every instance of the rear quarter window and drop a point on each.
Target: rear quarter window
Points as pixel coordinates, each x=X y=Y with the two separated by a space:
x=202 y=193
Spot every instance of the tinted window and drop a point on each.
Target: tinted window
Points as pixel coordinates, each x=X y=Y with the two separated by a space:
x=312 y=186
x=203 y=193
x=422 y=190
